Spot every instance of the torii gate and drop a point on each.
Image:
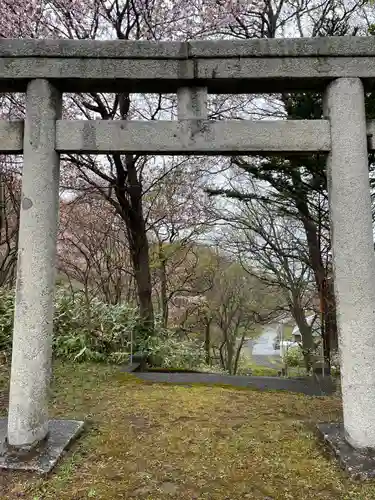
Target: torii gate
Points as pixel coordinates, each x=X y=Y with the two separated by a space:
x=341 y=67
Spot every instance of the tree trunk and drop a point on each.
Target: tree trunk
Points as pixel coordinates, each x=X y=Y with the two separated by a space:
x=140 y=257
x=306 y=335
x=330 y=319
x=230 y=354
x=163 y=287
x=221 y=353
x=238 y=353
x=307 y=346
x=326 y=294
x=329 y=328
x=128 y=191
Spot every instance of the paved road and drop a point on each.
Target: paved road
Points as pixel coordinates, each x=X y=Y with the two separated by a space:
x=261 y=349
x=309 y=387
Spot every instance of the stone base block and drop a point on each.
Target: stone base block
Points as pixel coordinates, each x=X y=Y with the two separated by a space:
x=358 y=464
x=44 y=457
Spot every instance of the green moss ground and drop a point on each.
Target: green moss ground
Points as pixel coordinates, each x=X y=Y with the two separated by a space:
x=154 y=442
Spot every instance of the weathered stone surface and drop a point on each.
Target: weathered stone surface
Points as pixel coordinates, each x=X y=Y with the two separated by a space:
x=46 y=68
x=32 y=335
x=345 y=46
x=353 y=256
x=359 y=464
x=221 y=76
x=45 y=456
x=197 y=136
x=302 y=71
x=94 y=73
x=223 y=66
x=192 y=103
x=339 y=46
x=11 y=136
x=87 y=49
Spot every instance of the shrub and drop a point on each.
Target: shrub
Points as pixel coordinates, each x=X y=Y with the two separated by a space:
x=245 y=364
x=335 y=364
x=293 y=357
x=93 y=331
x=6 y=319
x=97 y=331
x=168 y=350
x=211 y=369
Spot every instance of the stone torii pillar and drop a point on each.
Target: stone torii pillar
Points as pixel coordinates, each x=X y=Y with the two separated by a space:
x=192 y=103
x=28 y=426
x=32 y=335
x=354 y=273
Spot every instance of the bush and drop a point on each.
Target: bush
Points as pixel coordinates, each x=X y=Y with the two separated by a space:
x=97 y=331
x=245 y=364
x=211 y=369
x=93 y=331
x=293 y=357
x=168 y=350
x=82 y=332
x=335 y=364
x=6 y=319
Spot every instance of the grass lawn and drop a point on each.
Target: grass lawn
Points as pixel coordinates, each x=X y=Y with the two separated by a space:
x=154 y=442
x=263 y=371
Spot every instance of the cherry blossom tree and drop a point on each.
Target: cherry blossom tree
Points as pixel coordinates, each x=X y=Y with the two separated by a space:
x=92 y=250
